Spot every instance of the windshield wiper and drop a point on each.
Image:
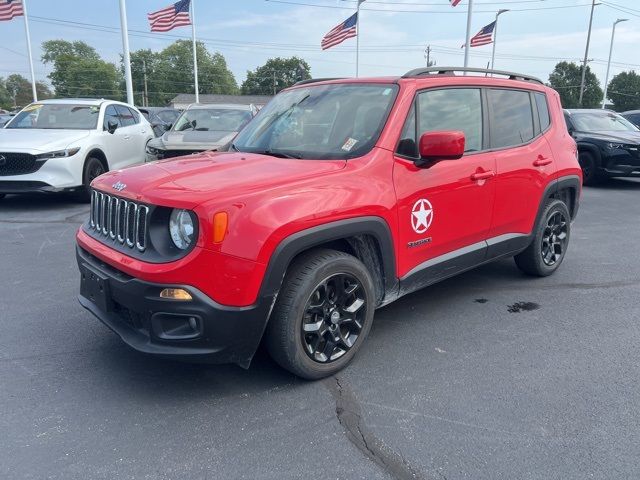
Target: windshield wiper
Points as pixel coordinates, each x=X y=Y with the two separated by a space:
x=278 y=154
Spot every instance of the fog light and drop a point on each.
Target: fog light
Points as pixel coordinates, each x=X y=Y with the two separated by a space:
x=175 y=294
x=193 y=323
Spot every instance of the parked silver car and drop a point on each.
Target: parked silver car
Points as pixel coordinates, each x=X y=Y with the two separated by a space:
x=201 y=127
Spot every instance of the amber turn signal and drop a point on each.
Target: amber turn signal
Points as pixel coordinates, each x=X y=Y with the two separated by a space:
x=175 y=294
x=220 y=223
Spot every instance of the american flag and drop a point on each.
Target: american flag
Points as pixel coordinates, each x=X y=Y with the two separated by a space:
x=454 y=2
x=177 y=15
x=484 y=36
x=340 y=33
x=10 y=9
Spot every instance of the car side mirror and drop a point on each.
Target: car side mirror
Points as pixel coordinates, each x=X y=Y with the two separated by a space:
x=167 y=126
x=442 y=145
x=111 y=127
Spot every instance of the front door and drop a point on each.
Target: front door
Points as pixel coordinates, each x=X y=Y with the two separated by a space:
x=444 y=210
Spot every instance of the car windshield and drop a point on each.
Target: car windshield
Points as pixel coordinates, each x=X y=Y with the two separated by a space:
x=602 y=122
x=333 y=121
x=212 y=119
x=57 y=117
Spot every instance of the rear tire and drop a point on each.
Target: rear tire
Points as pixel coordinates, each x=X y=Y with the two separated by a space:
x=93 y=168
x=590 y=174
x=322 y=315
x=550 y=241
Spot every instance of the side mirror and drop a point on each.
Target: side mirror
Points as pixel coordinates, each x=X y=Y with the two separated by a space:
x=444 y=145
x=167 y=126
x=111 y=127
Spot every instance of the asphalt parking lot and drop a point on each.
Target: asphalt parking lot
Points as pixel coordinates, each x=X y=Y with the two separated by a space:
x=488 y=375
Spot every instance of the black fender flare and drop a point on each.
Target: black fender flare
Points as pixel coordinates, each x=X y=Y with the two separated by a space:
x=303 y=240
x=592 y=149
x=557 y=185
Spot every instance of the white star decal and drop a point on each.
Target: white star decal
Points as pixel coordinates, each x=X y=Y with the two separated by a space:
x=421 y=215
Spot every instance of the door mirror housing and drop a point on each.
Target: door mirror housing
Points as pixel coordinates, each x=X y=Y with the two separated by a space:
x=442 y=145
x=111 y=127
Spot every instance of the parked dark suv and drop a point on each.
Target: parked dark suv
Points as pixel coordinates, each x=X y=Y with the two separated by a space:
x=608 y=144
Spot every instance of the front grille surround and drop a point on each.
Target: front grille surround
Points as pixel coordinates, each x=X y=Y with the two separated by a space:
x=121 y=220
x=15 y=163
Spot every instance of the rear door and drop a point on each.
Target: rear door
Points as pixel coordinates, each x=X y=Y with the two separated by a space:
x=518 y=122
x=445 y=209
x=130 y=135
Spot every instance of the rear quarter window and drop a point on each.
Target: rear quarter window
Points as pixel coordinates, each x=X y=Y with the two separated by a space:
x=543 y=110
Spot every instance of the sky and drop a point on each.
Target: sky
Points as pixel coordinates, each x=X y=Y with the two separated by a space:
x=532 y=37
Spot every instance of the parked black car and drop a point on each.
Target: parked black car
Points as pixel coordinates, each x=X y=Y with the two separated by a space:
x=633 y=116
x=160 y=118
x=608 y=144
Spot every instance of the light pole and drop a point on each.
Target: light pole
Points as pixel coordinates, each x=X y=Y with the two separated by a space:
x=586 y=53
x=606 y=78
x=467 y=41
x=495 y=35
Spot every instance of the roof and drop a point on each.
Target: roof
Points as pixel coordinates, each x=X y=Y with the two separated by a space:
x=630 y=112
x=223 y=106
x=74 y=101
x=588 y=110
x=154 y=109
x=189 y=98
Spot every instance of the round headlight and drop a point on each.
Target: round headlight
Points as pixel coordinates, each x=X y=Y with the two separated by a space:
x=181 y=228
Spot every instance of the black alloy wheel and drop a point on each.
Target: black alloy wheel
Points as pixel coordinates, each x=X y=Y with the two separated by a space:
x=333 y=318
x=554 y=238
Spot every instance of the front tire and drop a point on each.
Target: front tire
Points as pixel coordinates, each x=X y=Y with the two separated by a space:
x=551 y=239
x=322 y=315
x=93 y=168
x=590 y=175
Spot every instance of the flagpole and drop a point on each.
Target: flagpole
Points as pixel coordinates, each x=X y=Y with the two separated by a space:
x=468 y=37
x=195 y=56
x=26 y=29
x=358 y=36
x=126 y=57
x=495 y=35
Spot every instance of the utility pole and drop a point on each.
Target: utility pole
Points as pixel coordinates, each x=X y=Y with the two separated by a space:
x=427 y=56
x=145 y=100
x=467 y=42
x=586 y=53
x=606 y=78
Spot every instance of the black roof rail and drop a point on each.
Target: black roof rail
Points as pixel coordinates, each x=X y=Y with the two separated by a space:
x=451 y=71
x=314 y=80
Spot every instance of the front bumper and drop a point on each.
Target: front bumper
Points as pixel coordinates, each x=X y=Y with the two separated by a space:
x=199 y=330
x=55 y=175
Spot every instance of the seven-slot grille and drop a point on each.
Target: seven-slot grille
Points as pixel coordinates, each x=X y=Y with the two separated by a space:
x=120 y=220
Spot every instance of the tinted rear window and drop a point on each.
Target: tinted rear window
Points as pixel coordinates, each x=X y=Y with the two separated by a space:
x=543 y=110
x=511 y=117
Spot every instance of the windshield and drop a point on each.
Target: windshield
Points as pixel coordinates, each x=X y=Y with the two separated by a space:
x=602 y=122
x=212 y=119
x=335 y=121
x=57 y=116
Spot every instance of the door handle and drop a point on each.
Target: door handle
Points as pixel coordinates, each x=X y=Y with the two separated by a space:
x=541 y=161
x=127 y=137
x=482 y=175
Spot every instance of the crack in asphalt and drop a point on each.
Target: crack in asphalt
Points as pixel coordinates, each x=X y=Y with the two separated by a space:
x=349 y=415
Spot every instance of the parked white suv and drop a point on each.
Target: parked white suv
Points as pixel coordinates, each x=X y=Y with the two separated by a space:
x=62 y=145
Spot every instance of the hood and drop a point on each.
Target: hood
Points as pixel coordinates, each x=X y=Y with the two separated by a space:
x=33 y=140
x=190 y=181
x=195 y=140
x=612 y=136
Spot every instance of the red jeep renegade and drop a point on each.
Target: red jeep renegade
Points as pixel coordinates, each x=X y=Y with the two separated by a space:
x=339 y=197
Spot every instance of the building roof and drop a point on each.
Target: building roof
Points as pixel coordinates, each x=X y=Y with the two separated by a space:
x=188 y=98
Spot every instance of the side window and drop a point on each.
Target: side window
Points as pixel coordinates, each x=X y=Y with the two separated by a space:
x=511 y=117
x=168 y=116
x=408 y=145
x=126 y=118
x=110 y=115
x=452 y=109
x=543 y=111
x=135 y=115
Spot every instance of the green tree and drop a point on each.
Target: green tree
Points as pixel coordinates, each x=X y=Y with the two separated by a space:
x=6 y=99
x=78 y=70
x=171 y=72
x=276 y=74
x=20 y=93
x=624 y=91
x=566 y=78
